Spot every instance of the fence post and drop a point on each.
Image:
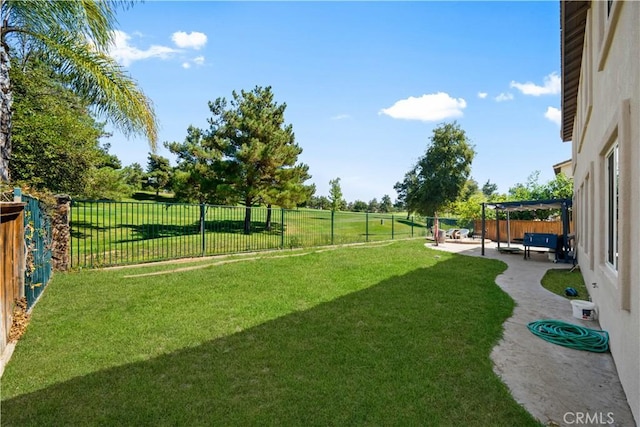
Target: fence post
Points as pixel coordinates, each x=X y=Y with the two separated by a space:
x=281 y=228
x=366 y=235
x=17 y=194
x=61 y=233
x=333 y=215
x=392 y=227
x=202 y=211
x=411 y=225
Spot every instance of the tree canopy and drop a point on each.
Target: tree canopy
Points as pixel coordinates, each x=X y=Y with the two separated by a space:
x=74 y=38
x=335 y=195
x=56 y=140
x=159 y=172
x=195 y=177
x=442 y=172
x=247 y=155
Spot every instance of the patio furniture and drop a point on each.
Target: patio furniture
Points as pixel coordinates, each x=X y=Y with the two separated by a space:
x=540 y=240
x=450 y=233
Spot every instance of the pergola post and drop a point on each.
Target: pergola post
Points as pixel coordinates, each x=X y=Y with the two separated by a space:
x=483 y=226
x=498 y=228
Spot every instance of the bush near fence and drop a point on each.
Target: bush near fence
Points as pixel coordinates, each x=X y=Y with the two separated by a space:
x=105 y=233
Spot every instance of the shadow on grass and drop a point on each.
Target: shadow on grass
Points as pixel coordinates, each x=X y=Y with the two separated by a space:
x=410 y=223
x=75 y=225
x=158 y=231
x=410 y=350
x=161 y=198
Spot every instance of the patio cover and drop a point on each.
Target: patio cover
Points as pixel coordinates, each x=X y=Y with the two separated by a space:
x=531 y=205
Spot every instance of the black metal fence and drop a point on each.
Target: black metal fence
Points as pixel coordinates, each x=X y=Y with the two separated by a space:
x=105 y=233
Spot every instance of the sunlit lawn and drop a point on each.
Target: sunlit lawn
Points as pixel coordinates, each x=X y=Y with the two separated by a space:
x=379 y=334
x=116 y=233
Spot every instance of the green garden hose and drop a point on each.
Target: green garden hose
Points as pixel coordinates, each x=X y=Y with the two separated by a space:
x=570 y=335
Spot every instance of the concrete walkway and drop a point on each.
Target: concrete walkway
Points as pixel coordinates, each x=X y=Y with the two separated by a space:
x=557 y=385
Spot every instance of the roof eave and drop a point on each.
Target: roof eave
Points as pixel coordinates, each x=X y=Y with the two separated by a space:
x=573 y=19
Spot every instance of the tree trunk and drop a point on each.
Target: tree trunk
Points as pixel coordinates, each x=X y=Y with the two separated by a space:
x=436 y=229
x=267 y=225
x=247 y=218
x=5 y=114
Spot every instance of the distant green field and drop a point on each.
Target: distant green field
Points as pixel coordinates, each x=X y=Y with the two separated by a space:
x=114 y=233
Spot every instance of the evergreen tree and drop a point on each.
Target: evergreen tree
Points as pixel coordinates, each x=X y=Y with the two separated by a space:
x=195 y=177
x=158 y=172
x=335 y=195
x=385 y=204
x=259 y=155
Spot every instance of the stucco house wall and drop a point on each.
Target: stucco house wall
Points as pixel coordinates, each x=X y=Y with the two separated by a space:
x=565 y=168
x=608 y=115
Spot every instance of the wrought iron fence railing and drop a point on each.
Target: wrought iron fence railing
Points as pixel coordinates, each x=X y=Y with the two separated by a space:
x=105 y=233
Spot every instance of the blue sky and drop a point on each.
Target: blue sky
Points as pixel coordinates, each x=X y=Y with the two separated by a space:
x=364 y=82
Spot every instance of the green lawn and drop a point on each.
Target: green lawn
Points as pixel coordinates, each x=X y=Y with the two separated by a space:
x=114 y=233
x=557 y=280
x=376 y=334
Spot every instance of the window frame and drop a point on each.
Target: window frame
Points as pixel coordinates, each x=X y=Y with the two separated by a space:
x=612 y=196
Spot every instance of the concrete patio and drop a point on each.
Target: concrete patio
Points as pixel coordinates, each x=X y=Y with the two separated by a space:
x=557 y=385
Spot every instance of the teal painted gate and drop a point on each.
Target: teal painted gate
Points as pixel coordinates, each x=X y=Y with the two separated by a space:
x=37 y=237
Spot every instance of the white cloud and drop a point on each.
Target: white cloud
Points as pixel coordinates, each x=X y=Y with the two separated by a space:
x=124 y=53
x=341 y=117
x=198 y=60
x=551 y=86
x=426 y=108
x=482 y=95
x=504 y=97
x=553 y=114
x=192 y=40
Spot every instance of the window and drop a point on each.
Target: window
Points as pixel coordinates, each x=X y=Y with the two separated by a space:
x=612 y=183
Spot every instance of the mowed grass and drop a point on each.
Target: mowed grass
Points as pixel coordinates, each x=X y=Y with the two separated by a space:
x=377 y=334
x=558 y=279
x=116 y=233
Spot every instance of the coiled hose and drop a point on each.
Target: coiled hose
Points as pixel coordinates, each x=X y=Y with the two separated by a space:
x=570 y=335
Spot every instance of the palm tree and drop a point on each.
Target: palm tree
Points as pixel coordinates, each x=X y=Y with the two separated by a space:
x=75 y=35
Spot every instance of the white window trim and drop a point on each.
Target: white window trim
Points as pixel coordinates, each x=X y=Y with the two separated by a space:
x=590 y=220
x=585 y=87
x=619 y=131
x=612 y=196
x=610 y=23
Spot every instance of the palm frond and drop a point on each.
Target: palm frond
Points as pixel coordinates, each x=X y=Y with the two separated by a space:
x=100 y=80
x=90 y=19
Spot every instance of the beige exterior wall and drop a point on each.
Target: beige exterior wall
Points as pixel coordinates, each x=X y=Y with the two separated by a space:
x=609 y=113
x=565 y=168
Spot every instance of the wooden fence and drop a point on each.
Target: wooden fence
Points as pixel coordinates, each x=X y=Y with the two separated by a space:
x=13 y=263
x=517 y=228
